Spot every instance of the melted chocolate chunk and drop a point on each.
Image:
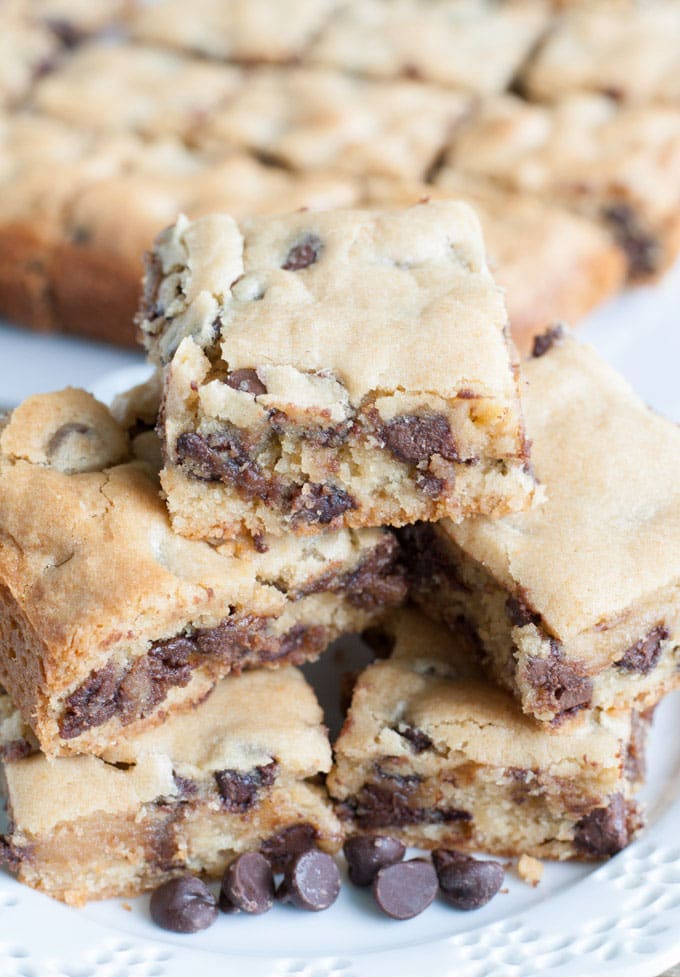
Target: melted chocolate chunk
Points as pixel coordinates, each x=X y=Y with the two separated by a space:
x=643 y=250
x=414 y=438
x=559 y=686
x=282 y=848
x=429 y=485
x=405 y=889
x=246 y=381
x=239 y=790
x=304 y=254
x=419 y=740
x=427 y=560
x=311 y=882
x=17 y=750
x=643 y=656
x=223 y=457
x=367 y=854
x=147 y=682
x=320 y=504
x=378 y=581
x=377 y=807
x=519 y=613
x=93 y=703
x=546 y=340
x=247 y=885
x=466 y=882
x=604 y=831
x=184 y=905
x=239 y=640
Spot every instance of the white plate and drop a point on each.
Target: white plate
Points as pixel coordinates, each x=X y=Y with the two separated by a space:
x=620 y=918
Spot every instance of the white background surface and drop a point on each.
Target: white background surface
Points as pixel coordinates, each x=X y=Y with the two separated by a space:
x=622 y=918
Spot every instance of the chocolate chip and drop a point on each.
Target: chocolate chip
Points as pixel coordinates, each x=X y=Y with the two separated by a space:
x=146 y=684
x=642 y=249
x=643 y=656
x=604 y=831
x=466 y=882
x=419 y=740
x=303 y=254
x=311 y=882
x=377 y=582
x=429 y=485
x=248 y=885
x=223 y=457
x=414 y=438
x=367 y=854
x=239 y=789
x=519 y=613
x=405 y=889
x=381 y=807
x=184 y=905
x=546 y=340
x=427 y=560
x=247 y=381
x=559 y=686
x=93 y=703
x=320 y=504
x=282 y=848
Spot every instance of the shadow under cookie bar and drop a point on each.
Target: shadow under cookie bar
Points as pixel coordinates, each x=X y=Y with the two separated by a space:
x=574 y=605
x=330 y=370
x=108 y=620
x=226 y=777
x=435 y=754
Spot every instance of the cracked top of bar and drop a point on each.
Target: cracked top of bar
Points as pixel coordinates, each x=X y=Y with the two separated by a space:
x=607 y=539
x=318 y=291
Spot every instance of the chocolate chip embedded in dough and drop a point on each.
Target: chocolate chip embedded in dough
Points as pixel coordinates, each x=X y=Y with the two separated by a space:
x=466 y=882
x=642 y=249
x=367 y=854
x=246 y=381
x=405 y=889
x=546 y=340
x=239 y=789
x=305 y=253
x=311 y=882
x=643 y=656
x=560 y=686
x=320 y=504
x=604 y=831
x=184 y=905
x=414 y=438
x=247 y=885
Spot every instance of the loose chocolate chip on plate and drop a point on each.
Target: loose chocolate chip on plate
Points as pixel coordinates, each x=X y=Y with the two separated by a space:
x=303 y=254
x=183 y=905
x=311 y=882
x=282 y=848
x=405 y=889
x=248 y=885
x=367 y=854
x=466 y=882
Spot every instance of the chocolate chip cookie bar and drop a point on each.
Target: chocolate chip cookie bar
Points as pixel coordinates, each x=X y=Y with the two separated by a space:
x=26 y=50
x=580 y=264
x=473 y=45
x=312 y=118
x=434 y=754
x=225 y=777
x=619 y=165
x=626 y=49
x=107 y=86
x=332 y=369
x=108 y=620
x=575 y=603
x=241 y=30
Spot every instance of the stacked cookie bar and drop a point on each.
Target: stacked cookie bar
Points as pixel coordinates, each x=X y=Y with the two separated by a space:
x=559 y=121
x=130 y=607
x=569 y=607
